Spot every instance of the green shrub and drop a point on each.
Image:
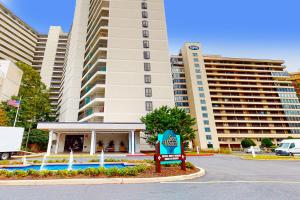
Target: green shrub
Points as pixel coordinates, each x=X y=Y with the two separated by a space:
x=247 y=142
x=3 y=172
x=9 y=174
x=62 y=173
x=132 y=171
x=111 y=160
x=112 y=171
x=189 y=165
x=266 y=142
x=123 y=172
x=20 y=173
x=72 y=173
x=4 y=162
x=93 y=160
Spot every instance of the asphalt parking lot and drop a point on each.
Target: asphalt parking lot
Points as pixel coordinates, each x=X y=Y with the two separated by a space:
x=227 y=177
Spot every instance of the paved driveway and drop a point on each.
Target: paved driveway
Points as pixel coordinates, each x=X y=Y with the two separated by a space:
x=227 y=177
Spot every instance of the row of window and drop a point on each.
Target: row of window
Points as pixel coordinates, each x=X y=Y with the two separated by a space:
x=297 y=131
x=291 y=106
x=202 y=100
x=146 y=54
x=180 y=92
x=182 y=104
x=179 y=86
x=280 y=73
x=292 y=112
x=288 y=95
x=181 y=98
x=179 y=81
x=285 y=89
x=289 y=101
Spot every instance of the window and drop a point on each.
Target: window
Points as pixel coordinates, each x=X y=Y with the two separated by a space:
x=145 y=33
x=144 y=5
x=149 y=105
x=147 y=55
x=202 y=95
x=182 y=104
x=181 y=98
x=196 y=60
x=197 y=71
x=195 y=54
x=199 y=82
x=147 y=79
x=145 y=14
x=146 y=44
x=204 y=115
x=292 y=146
x=145 y=24
x=147 y=67
x=207 y=130
x=206 y=122
x=200 y=89
x=210 y=146
x=148 y=92
x=179 y=86
x=208 y=137
x=204 y=108
x=197 y=65
x=203 y=102
x=198 y=76
x=180 y=92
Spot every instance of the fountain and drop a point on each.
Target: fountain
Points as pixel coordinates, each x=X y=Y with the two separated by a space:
x=43 y=162
x=24 y=160
x=102 y=159
x=71 y=160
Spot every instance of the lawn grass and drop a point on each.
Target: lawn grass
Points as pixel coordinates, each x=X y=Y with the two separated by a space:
x=269 y=157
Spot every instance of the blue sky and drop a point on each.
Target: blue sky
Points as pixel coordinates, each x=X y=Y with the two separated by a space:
x=238 y=28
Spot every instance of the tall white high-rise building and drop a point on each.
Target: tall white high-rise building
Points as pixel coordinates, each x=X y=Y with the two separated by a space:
x=118 y=62
x=117 y=69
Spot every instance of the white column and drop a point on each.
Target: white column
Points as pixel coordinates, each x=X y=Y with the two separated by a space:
x=93 y=143
x=57 y=142
x=132 y=143
x=129 y=142
x=50 y=143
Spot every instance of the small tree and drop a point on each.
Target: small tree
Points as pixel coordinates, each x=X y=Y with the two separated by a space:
x=165 y=118
x=38 y=137
x=3 y=118
x=247 y=142
x=266 y=142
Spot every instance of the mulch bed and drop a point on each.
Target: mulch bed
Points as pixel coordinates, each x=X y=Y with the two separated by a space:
x=165 y=172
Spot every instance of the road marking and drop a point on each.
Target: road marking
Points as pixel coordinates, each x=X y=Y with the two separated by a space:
x=219 y=182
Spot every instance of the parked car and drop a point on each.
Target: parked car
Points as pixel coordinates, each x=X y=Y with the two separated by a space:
x=256 y=150
x=10 y=141
x=288 y=147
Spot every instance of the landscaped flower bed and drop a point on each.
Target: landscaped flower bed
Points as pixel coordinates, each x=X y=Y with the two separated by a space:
x=142 y=169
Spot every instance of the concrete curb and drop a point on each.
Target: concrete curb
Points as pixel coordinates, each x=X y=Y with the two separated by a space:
x=101 y=181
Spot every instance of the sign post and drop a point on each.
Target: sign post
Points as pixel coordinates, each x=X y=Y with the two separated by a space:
x=169 y=150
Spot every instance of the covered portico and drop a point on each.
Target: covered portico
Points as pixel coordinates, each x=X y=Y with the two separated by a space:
x=88 y=136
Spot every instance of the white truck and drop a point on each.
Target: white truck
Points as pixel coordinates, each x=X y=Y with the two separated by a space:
x=10 y=141
x=288 y=147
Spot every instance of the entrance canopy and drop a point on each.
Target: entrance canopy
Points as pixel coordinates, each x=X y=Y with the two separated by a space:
x=88 y=127
x=92 y=131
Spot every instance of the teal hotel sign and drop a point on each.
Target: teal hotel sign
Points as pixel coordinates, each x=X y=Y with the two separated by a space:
x=169 y=150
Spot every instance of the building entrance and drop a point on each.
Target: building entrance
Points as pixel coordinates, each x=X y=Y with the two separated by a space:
x=74 y=142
